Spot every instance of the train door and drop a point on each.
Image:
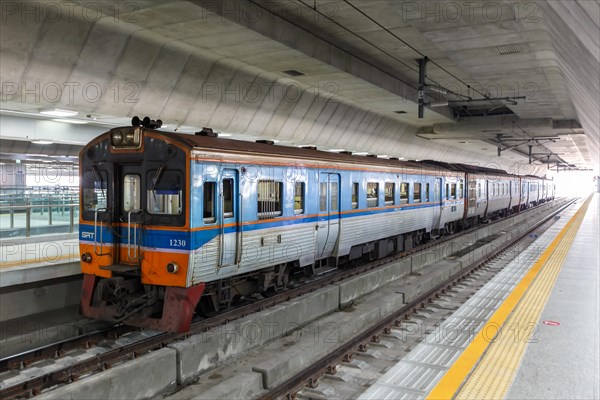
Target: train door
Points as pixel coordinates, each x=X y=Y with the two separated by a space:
x=510 y=195
x=130 y=214
x=525 y=193
x=472 y=196
x=229 y=217
x=437 y=200
x=328 y=223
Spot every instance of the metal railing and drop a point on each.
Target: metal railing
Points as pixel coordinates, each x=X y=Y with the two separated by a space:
x=52 y=212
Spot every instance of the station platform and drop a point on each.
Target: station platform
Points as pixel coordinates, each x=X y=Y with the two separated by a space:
x=38 y=258
x=40 y=288
x=530 y=332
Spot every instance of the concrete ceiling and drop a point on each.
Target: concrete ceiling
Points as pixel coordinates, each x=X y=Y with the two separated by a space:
x=223 y=65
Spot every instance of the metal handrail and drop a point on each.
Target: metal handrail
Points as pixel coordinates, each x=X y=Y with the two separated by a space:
x=136 y=210
x=28 y=211
x=240 y=242
x=101 y=230
x=36 y=206
x=222 y=227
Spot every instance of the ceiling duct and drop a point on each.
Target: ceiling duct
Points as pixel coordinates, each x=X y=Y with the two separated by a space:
x=508 y=49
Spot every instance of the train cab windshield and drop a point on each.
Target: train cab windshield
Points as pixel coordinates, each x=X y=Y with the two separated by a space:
x=95 y=190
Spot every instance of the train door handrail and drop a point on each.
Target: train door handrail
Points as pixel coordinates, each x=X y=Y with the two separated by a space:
x=240 y=241
x=135 y=243
x=96 y=211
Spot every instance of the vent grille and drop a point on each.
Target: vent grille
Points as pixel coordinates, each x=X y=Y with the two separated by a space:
x=509 y=49
x=293 y=72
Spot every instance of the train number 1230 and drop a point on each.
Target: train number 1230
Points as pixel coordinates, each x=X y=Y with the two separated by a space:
x=177 y=242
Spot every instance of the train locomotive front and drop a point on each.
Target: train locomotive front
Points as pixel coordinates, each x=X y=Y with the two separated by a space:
x=134 y=230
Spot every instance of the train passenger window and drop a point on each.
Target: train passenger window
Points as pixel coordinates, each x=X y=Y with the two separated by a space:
x=209 y=205
x=404 y=193
x=436 y=191
x=447 y=191
x=94 y=184
x=461 y=189
x=269 y=199
x=334 y=196
x=228 y=198
x=478 y=189
x=427 y=192
x=453 y=191
x=299 y=198
x=372 y=194
x=165 y=197
x=355 y=195
x=417 y=194
x=131 y=192
x=390 y=193
x=323 y=196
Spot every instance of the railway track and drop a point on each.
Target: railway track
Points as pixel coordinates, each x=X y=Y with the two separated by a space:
x=84 y=355
x=356 y=372
x=387 y=336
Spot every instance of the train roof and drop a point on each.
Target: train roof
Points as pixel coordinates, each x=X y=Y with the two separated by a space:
x=287 y=152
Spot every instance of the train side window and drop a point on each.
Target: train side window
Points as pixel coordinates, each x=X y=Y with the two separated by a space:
x=131 y=192
x=355 y=195
x=453 y=191
x=390 y=193
x=404 y=193
x=427 y=192
x=447 y=191
x=417 y=193
x=478 y=189
x=461 y=189
x=436 y=191
x=228 y=198
x=372 y=194
x=269 y=199
x=209 y=205
x=299 y=198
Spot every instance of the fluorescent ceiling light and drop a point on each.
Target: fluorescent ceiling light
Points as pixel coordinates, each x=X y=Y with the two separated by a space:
x=41 y=141
x=70 y=121
x=336 y=150
x=362 y=153
x=58 y=112
x=224 y=134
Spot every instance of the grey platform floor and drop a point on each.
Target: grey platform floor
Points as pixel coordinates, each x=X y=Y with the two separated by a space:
x=564 y=361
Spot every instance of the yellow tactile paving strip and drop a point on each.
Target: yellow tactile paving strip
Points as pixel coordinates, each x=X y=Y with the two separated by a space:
x=519 y=313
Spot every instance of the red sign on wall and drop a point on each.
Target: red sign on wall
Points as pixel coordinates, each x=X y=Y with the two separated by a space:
x=551 y=323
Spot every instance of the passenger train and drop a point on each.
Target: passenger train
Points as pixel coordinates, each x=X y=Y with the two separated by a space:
x=171 y=223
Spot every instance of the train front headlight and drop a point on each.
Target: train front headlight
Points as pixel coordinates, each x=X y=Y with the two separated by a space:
x=130 y=137
x=117 y=138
